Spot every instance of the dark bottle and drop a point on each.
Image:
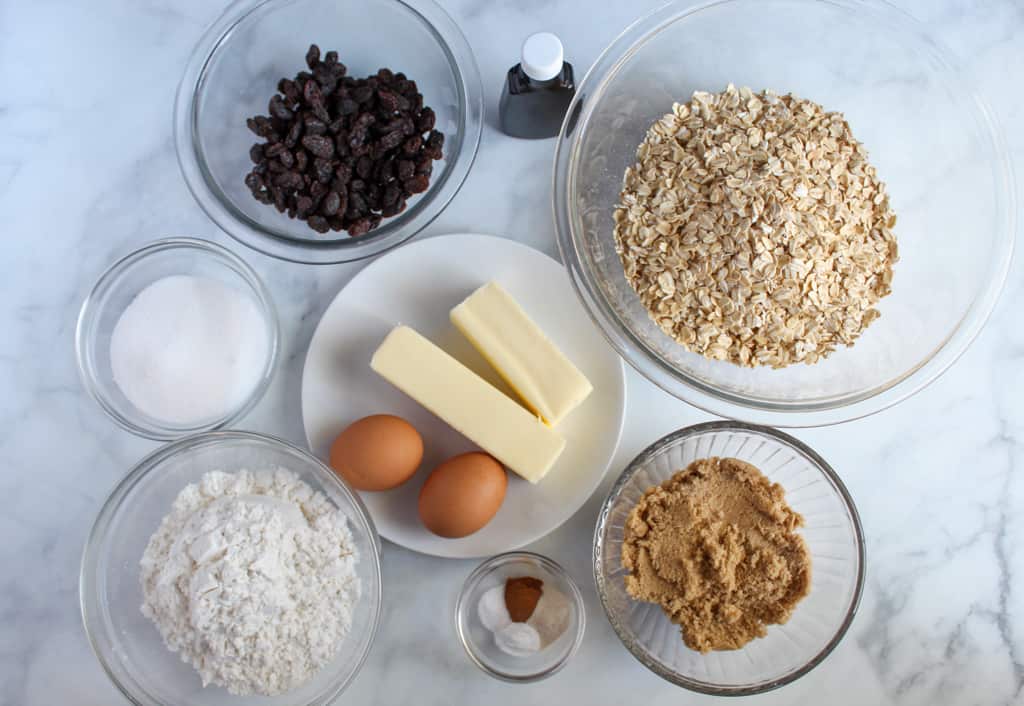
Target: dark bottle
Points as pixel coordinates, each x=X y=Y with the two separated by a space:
x=537 y=90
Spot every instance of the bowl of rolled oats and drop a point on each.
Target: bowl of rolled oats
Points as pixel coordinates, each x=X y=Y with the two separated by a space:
x=790 y=212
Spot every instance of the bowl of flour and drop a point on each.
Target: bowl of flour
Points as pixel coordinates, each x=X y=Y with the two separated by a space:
x=228 y=568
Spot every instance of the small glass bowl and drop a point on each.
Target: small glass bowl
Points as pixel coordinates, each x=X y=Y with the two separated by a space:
x=235 y=68
x=128 y=645
x=832 y=531
x=120 y=284
x=478 y=641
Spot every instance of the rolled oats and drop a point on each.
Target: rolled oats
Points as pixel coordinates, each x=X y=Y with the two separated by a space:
x=755 y=230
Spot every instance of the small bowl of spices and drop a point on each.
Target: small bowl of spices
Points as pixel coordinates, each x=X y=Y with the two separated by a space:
x=177 y=337
x=520 y=617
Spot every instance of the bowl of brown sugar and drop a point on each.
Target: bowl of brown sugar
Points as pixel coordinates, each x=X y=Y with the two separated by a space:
x=729 y=558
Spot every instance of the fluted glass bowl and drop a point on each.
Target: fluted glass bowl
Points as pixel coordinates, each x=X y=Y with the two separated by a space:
x=234 y=71
x=925 y=128
x=128 y=645
x=832 y=531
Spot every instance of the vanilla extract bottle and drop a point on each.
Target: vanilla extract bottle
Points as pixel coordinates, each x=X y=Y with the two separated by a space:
x=537 y=90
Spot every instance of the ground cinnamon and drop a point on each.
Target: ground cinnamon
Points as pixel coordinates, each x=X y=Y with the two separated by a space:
x=521 y=596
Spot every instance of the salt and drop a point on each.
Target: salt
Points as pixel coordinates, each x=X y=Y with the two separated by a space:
x=187 y=350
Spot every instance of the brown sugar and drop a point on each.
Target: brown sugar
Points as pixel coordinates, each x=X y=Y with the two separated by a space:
x=716 y=547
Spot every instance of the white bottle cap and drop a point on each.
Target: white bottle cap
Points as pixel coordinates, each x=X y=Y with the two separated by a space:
x=542 y=56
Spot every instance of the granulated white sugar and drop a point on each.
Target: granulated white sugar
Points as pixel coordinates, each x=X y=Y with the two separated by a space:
x=188 y=349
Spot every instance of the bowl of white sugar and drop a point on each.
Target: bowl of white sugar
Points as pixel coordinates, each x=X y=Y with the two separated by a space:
x=177 y=337
x=230 y=567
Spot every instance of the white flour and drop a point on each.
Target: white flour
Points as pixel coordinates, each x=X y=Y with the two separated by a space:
x=251 y=577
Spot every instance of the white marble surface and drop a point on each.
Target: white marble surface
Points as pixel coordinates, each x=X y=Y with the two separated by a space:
x=936 y=479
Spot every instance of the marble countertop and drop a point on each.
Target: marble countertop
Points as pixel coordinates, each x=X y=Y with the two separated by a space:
x=88 y=172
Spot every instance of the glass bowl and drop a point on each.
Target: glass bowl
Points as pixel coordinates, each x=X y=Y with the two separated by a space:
x=931 y=137
x=832 y=531
x=235 y=68
x=128 y=645
x=478 y=641
x=115 y=290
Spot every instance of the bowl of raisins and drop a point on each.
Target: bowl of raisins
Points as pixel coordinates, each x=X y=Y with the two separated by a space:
x=327 y=131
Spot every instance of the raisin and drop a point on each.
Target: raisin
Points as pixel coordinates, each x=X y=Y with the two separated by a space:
x=360 y=226
x=290 y=91
x=303 y=206
x=294 y=133
x=324 y=170
x=384 y=171
x=301 y=160
x=326 y=78
x=254 y=181
x=314 y=125
x=425 y=121
x=394 y=209
x=417 y=184
x=356 y=204
x=329 y=206
x=313 y=56
x=346 y=106
x=287 y=159
x=390 y=141
x=362 y=94
x=319 y=146
x=343 y=172
x=288 y=180
x=388 y=101
x=279 y=110
x=318 y=190
x=364 y=166
x=391 y=195
x=412 y=145
x=405 y=169
x=256 y=153
x=331 y=58
x=318 y=223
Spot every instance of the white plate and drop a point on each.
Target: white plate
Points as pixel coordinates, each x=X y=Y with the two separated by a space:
x=418 y=284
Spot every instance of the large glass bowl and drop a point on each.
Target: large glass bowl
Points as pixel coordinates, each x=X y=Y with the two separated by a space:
x=128 y=645
x=926 y=130
x=831 y=529
x=234 y=71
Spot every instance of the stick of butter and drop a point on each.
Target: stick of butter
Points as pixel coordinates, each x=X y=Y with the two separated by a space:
x=546 y=381
x=468 y=403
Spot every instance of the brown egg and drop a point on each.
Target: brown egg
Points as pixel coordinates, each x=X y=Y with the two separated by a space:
x=462 y=494
x=377 y=453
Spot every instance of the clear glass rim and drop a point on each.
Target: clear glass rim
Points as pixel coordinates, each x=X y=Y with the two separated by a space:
x=707 y=396
x=84 y=334
x=393 y=232
x=485 y=568
x=88 y=598
x=641 y=460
